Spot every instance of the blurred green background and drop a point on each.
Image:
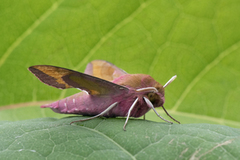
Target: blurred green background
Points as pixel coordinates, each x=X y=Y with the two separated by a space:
x=198 y=40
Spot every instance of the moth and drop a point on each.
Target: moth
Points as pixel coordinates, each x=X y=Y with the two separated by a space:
x=108 y=91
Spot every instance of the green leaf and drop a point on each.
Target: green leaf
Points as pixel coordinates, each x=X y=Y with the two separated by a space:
x=50 y=138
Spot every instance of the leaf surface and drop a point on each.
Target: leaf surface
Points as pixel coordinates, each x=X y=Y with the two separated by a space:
x=49 y=138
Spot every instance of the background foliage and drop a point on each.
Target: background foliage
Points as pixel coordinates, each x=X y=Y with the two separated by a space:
x=196 y=40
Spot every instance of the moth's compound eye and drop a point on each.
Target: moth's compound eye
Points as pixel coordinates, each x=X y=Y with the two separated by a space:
x=155 y=99
x=152 y=97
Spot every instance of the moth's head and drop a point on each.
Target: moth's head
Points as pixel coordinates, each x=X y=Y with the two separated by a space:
x=156 y=98
x=155 y=93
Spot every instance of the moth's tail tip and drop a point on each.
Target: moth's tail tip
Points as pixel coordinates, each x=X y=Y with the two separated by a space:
x=51 y=105
x=46 y=106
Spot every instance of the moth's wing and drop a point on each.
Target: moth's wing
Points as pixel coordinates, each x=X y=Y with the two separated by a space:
x=104 y=70
x=66 y=78
x=51 y=75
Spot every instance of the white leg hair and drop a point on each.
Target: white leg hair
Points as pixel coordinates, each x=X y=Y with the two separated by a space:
x=129 y=112
x=149 y=103
x=170 y=81
x=102 y=113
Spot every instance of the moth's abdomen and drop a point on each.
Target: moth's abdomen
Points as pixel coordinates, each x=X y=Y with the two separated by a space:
x=69 y=105
x=80 y=103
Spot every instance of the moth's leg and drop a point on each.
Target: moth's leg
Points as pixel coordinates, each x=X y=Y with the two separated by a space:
x=144 y=116
x=102 y=113
x=170 y=115
x=129 y=112
x=149 y=103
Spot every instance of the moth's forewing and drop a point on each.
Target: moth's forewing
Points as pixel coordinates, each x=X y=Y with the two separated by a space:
x=51 y=75
x=65 y=78
x=104 y=70
x=93 y=85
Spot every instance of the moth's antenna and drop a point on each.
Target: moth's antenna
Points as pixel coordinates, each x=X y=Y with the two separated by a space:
x=147 y=89
x=170 y=81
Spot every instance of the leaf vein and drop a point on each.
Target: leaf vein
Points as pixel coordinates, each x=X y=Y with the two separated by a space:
x=18 y=41
x=203 y=72
x=114 y=142
x=111 y=33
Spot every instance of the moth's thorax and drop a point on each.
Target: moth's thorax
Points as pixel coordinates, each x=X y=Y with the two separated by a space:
x=137 y=81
